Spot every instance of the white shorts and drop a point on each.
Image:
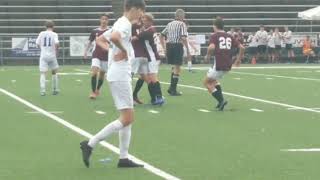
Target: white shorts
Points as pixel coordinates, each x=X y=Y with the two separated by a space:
x=102 y=65
x=154 y=67
x=214 y=74
x=122 y=94
x=140 y=65
x=46 y=64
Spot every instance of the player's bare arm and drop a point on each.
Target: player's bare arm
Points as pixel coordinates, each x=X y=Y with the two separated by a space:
x=163 y=43
x=186 y=44
x=86 y=49
x=209 y=52
x=115 y=38
x=240 y=56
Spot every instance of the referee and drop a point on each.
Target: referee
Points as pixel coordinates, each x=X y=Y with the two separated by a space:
x=176 y=35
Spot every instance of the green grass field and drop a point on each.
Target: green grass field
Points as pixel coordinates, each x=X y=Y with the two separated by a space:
x=248 y=141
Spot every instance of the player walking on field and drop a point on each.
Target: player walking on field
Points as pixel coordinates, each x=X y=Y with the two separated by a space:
x=119 y=78
x=48 y=42
x=176 y=34
x=221 y=45
x=99 y=65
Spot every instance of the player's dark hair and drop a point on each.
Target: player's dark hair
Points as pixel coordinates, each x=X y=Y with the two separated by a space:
x=219 y=23
x=106 y=15
x=139 y=4
x=49 y=24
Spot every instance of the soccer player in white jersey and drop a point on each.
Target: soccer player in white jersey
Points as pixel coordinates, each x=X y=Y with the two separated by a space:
x=119 y=78
x=49 y=44
x=288 y=41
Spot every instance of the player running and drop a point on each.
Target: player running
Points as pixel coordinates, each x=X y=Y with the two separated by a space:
x=99 y=65
x=48 y=42
x=221 y=44
x=119 y=78
x=146 y=40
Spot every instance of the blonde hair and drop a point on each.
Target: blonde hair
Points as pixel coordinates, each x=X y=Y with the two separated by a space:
x=149 y=16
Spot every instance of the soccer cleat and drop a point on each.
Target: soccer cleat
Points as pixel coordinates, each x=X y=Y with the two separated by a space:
x=93 y=95
x=174 y=93
x=42 y=94
x=222 y=105
x=159 y=101
x=127 y=163
x=55 y=93
x=86 y=152
x=136 y=100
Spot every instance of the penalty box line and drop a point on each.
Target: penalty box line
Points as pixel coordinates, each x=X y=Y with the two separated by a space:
x=147 y=166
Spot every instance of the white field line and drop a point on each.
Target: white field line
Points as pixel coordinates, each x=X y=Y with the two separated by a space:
x=76 y=129
x=101 y=112
x=263 y=67
x=256 y=110
x=204 y=110
x=52 y=112
x=72 y=74
x=243 y=97
x=301 y=150
x=298 y=109
x=277 y=76
x=153 y=112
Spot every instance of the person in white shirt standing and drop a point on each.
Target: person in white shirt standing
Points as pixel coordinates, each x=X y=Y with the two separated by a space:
x=277 y=42
x=271 y=47
x=262 y=41
x=253 y=44
x=288 y=41
x=119 y=78
x=48 y=42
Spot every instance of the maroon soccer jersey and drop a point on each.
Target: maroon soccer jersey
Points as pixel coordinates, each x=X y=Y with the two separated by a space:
x=98 y=52
x=138 y=45
x=224 y=43
x=147 y=37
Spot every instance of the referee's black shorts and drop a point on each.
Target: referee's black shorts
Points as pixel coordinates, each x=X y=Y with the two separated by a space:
x=175 y=53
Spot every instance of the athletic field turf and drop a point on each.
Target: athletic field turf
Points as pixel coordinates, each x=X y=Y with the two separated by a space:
x=269 y=131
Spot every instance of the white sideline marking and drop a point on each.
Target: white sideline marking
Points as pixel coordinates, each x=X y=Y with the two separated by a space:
x=243 y=97
x=76 y=129
x=100 y=112
x=52 y=112
x=251 y=98
x=265 y=67
x=204 y=110
x=237 y=78
x=301 y=150
x=269 y=78
x=13 y=81
x=285 y=77
x=256 y=110
x=153 y=112
x=79 y=80
x=298 y=109
x=72 y=74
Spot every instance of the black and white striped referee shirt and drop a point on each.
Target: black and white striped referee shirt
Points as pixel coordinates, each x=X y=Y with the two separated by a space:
x=174 y=31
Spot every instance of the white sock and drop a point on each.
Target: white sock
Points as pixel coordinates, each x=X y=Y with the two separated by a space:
x=189 y=65
x=55 y=82
x=42 y=82
x=111 y=128
x=124 y=141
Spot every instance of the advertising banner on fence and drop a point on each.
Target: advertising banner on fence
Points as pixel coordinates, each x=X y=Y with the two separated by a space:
x=25 y=47
x=78 y=44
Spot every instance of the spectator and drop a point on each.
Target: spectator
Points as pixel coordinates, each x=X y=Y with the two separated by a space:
x=252 y=50
x=262 y=40
x=277 y=42
x=307 y=49
x=271 y=47
x=288 y=41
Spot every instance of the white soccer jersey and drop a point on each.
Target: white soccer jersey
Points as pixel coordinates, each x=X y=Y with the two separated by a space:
x=271 y=41
x=47 y=41
x=277 y=39
x=120 y=70
x=262 y=37
x=252 y=41
x=287 y=37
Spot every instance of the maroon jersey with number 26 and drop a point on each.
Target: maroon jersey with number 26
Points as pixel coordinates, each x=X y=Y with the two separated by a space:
x=224 y=43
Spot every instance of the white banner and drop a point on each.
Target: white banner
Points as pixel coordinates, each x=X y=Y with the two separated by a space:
x=78 y=45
